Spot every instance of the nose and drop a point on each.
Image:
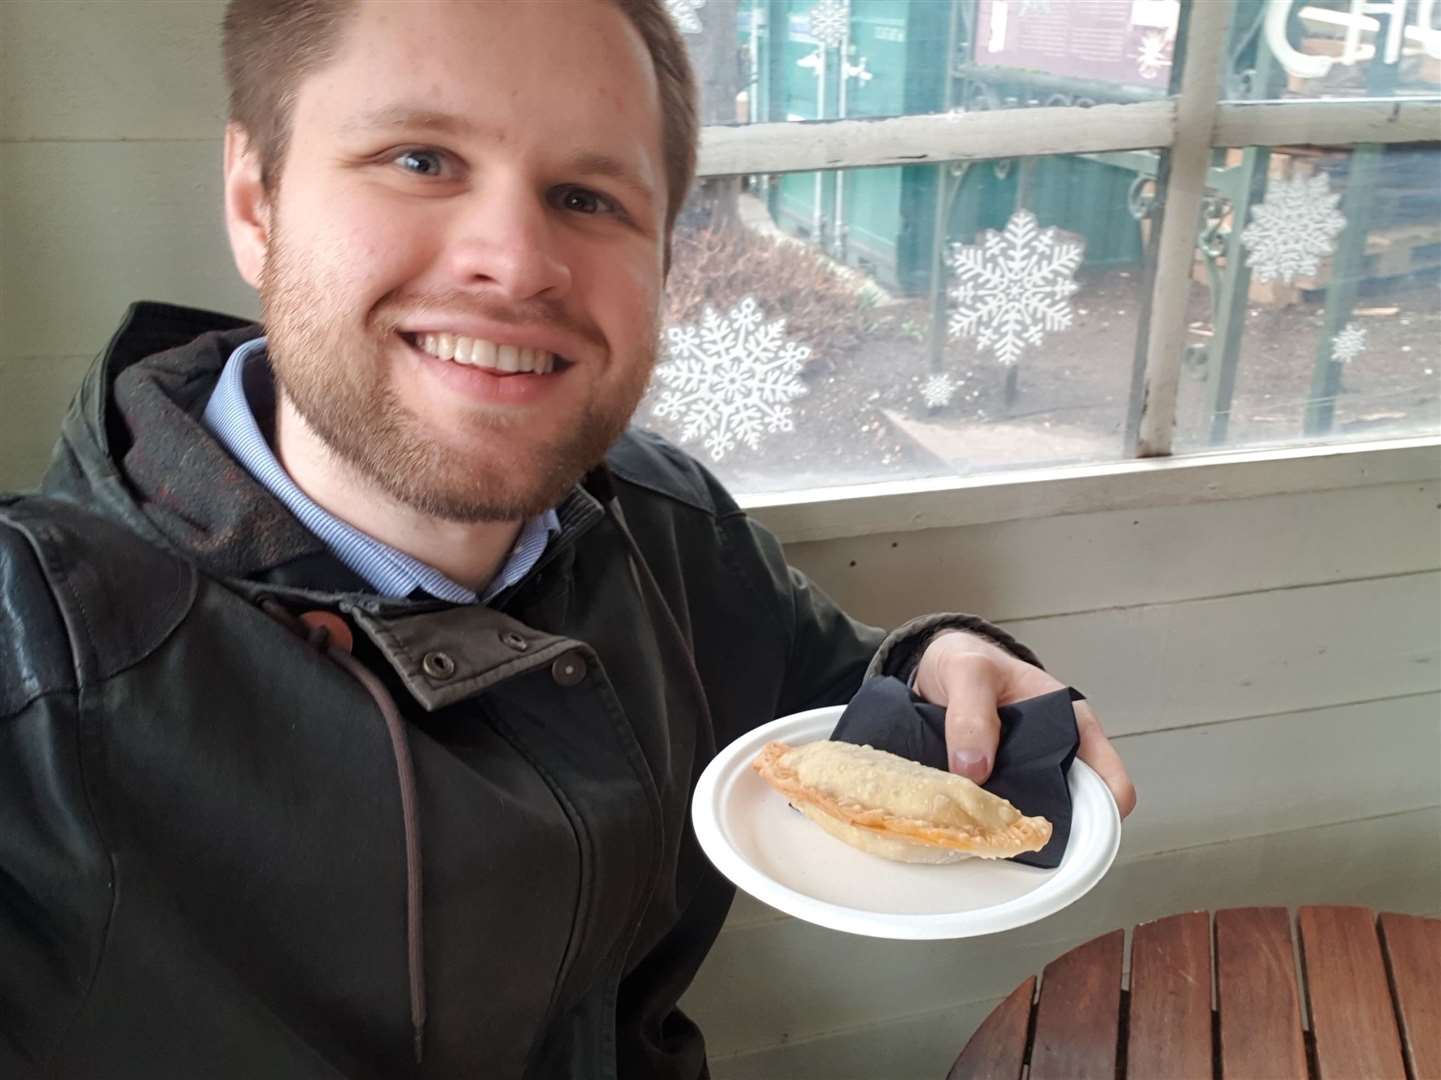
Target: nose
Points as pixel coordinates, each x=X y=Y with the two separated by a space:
x=507 y=241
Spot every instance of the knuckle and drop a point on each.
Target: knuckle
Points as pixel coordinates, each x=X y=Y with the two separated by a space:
x=972 y=665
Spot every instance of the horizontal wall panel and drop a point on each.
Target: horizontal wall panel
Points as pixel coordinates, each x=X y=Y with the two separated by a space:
x=779 y=987
x=91 y=227
x=943 y=502
x=34 y=394
x=1170 y=665
x=913 y=1048
x=1217 y=782
x=95 y=69
x=748 y=911
x=1083 y=562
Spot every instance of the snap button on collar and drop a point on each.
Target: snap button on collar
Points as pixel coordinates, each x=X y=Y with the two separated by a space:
x=437 y=665
x=568 y=670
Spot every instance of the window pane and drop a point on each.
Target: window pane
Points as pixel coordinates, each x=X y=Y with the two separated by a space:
x=790 y=60
x=1316 y=314
x=802 y=353
x=1332 y=49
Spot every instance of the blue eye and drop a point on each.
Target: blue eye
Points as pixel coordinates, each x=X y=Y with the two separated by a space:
x=420 y=162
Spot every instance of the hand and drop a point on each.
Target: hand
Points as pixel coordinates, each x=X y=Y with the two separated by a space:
x=971 y=677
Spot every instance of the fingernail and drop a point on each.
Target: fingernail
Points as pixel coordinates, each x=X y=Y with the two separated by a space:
x=972 y=764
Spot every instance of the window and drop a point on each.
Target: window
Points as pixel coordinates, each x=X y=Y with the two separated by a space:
x=935 y=238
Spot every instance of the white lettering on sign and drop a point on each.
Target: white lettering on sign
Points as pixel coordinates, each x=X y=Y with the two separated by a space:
x=999 y=11
x=1355 y=21
x=890 y=33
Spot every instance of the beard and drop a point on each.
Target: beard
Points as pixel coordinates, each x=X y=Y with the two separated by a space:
x=339 y=380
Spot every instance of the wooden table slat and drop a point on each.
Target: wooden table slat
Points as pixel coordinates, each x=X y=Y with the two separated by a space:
x=998 y=1048
x=1078 y=1015
x=1352 y=1018
x=1413 y=956
x=1257 y=995
x=1170 y=1020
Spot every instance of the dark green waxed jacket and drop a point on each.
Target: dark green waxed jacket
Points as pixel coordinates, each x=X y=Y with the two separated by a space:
x=236 y=846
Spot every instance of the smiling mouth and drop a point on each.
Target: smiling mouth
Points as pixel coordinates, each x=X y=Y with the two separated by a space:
x=486 y=355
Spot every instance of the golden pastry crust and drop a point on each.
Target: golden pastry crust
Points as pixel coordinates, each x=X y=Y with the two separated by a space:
x=872 y=792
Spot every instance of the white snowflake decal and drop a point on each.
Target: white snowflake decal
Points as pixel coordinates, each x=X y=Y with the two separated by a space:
x=1293 y=228
x=684 y=14
x=938 y=391
x=1014 y=286
x=829 y=21
x=1348 y=344
x=730 y=377
x=1151 y=56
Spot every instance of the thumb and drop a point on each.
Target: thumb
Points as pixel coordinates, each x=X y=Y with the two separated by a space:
x=973 y=730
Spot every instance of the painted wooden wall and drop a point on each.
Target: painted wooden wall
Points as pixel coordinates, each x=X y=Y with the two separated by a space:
x=1269 y=664
x=110 y=121
x=1270 y=668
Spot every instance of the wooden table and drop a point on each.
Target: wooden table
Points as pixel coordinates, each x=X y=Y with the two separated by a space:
x=1370 y=987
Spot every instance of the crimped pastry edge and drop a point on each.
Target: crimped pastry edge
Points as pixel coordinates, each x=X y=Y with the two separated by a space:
x=1022 y=835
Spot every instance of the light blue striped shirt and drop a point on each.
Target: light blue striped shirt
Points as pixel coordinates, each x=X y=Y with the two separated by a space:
x=231 y=419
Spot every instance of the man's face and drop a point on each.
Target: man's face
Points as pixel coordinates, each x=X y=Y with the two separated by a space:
x=465 y=249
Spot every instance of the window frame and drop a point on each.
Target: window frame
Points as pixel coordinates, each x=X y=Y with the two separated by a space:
x=1186 y=126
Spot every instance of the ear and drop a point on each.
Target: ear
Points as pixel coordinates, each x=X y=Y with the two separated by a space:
x=247 y=205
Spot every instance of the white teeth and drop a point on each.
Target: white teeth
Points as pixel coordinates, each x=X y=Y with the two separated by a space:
x=477 y=352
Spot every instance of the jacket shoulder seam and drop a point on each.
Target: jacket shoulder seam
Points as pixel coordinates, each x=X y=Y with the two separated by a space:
x=668 y=493
x=32 y=687
x=60 y=560
x=644 y=460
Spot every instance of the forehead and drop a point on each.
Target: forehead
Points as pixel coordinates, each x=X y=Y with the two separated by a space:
x=563 y=72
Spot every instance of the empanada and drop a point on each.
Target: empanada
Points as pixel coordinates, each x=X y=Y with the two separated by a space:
x=895 y=808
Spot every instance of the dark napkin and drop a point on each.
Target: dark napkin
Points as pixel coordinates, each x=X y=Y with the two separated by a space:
x=1038 y=744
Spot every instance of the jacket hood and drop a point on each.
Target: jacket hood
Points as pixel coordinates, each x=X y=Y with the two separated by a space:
x=133 y=448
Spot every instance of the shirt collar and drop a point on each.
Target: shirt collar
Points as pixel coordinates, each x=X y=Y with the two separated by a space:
x=230 y=417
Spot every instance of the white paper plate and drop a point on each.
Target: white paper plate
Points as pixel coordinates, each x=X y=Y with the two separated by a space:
x=781 y=858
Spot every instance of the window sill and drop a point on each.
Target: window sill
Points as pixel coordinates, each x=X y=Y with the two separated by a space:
x=909 y=506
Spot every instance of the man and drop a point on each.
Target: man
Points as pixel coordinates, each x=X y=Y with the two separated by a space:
x=355 y=672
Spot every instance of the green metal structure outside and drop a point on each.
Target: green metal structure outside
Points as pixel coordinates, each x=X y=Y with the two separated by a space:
x=883 y=220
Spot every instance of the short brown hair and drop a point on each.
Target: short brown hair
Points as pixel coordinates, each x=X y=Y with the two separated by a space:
x=270 y=46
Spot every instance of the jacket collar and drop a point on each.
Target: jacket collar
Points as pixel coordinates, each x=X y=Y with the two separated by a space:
x=134 y=447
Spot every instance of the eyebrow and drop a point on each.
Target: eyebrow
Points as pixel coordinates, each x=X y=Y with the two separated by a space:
x=409 y=118
x=406 y=116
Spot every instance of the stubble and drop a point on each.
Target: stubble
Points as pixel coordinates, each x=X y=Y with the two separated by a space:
x=339 y=381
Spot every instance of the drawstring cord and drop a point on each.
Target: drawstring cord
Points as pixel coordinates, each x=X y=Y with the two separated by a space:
x=318 y=637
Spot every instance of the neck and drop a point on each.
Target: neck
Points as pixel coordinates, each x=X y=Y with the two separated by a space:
x=470 y=554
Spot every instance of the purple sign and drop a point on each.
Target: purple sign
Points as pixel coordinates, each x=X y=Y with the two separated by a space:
x=1121 y=41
